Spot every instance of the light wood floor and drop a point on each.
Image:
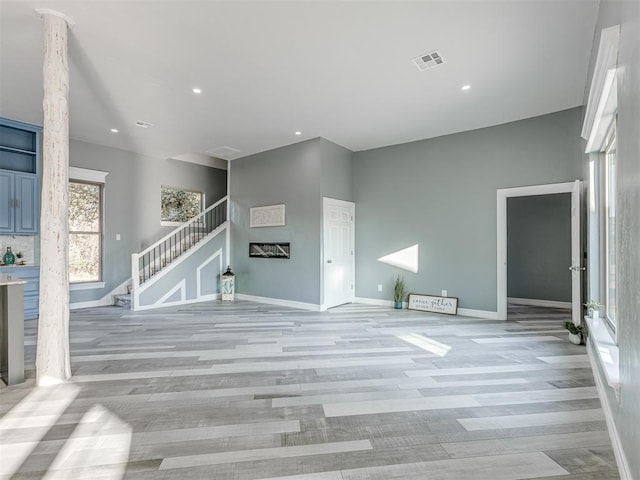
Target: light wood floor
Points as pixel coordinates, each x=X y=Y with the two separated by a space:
x=249 y=391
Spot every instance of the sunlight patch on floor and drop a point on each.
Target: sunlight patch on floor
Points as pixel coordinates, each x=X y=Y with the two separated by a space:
x=99 y=444
x=426 y=343
x=34 y=415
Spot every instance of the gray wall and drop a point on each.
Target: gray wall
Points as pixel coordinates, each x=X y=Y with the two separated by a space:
x=441 y=194
x=132 y=202
x=336 y=171
x=539 y=247
x=298 y=176
x=626 y=410
x=187 y=270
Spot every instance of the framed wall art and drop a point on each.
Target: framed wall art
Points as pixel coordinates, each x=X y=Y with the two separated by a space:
x=267 y=216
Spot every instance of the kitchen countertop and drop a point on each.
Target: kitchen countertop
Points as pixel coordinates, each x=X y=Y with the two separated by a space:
x=2 y=265
x=9 y=280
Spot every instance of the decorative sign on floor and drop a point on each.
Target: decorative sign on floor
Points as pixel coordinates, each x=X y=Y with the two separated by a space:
x=270 y=250
x=432 y=303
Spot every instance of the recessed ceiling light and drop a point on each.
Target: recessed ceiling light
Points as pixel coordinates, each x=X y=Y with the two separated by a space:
x=465 y=87
x=114 y=130
x=197 y=90
x=298 y=133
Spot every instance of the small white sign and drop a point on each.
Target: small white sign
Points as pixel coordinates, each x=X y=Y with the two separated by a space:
x=268 y=216
x=432 y=303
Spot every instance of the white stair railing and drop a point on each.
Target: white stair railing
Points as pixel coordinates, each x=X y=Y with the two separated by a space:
x=156 y=257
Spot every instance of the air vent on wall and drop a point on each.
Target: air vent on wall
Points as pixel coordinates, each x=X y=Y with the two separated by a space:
x=428 y=60
x=226 y=153
x=142 y=124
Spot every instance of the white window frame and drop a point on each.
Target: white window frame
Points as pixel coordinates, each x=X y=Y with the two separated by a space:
x=77 y=174
x=602 y=107
x=607 y=198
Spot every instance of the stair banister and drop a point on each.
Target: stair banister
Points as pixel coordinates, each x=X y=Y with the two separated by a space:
x=185 y=234
x=181 y=227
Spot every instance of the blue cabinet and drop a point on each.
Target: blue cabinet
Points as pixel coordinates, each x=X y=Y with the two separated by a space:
x=6 y=202
x=31 y=289
x=19 y=182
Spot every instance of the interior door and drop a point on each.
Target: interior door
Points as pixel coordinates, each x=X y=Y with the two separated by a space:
x=576 y=254
x=338 y=252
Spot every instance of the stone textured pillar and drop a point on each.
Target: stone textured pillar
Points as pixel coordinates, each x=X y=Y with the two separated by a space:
x=52 y=356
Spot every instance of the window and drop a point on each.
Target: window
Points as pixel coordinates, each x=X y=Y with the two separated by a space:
x=85 y=232
x=178 y=205
x=609 y=198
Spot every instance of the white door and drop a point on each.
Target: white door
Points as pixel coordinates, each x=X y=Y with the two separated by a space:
x=576 y=255
x=338 y=252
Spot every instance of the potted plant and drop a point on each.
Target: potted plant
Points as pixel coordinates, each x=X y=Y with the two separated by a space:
x=399 y=292
x=593 y=308
x=575 y=332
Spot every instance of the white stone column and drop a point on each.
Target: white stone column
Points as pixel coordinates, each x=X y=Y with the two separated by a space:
x=52 y=355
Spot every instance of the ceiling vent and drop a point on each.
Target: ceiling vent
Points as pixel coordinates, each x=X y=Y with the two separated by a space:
x=428 y=60
x=225 y=153
x=142 y=124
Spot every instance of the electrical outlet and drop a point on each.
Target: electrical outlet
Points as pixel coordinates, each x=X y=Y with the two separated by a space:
x=117 y=236
x=444 y=293
x=379 y=287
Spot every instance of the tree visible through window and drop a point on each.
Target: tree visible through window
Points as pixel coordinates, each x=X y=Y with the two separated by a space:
x=178 y=205
x=85 y=232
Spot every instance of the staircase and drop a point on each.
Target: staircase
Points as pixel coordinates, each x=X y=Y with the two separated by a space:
x=150 y=265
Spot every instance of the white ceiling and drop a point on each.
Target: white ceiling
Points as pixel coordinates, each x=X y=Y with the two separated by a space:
x=335 y=69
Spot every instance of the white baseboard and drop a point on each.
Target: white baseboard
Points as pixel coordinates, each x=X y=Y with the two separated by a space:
x=102 y=302
x=277 y=301
x=467 y=312
x=377 y=301
x=539 y=303
x=621 y=460
x=202 y=298
x=105 y=300
x=486 y=314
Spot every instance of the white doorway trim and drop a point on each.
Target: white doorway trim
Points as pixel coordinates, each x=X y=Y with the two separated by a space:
x=549 y=189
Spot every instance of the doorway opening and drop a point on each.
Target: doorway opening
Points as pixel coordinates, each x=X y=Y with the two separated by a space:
x=575 y=263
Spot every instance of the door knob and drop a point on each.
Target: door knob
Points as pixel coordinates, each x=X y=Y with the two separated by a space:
x=329 y=261
x=574 y=268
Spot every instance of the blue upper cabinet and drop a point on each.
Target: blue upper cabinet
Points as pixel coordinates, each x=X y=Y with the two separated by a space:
x=19 y=180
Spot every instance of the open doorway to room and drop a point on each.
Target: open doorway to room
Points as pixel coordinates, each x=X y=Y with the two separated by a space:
x=573 y=266
x=538 y=254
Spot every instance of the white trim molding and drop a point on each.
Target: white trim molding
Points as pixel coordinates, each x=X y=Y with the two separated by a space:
x=215 y=296
x=105 y=301
x=86 y=286
x=616 y=442
x=87 y=175
x=462 y=312
x=278 y=301
x=603 y=348
x=181 y=287
x=602 y=102
x=502 y=195
x=534 y=302
x=206 y=262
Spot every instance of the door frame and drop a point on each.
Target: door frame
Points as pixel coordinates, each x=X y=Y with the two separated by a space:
x=574 y=188
x=352 y=205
